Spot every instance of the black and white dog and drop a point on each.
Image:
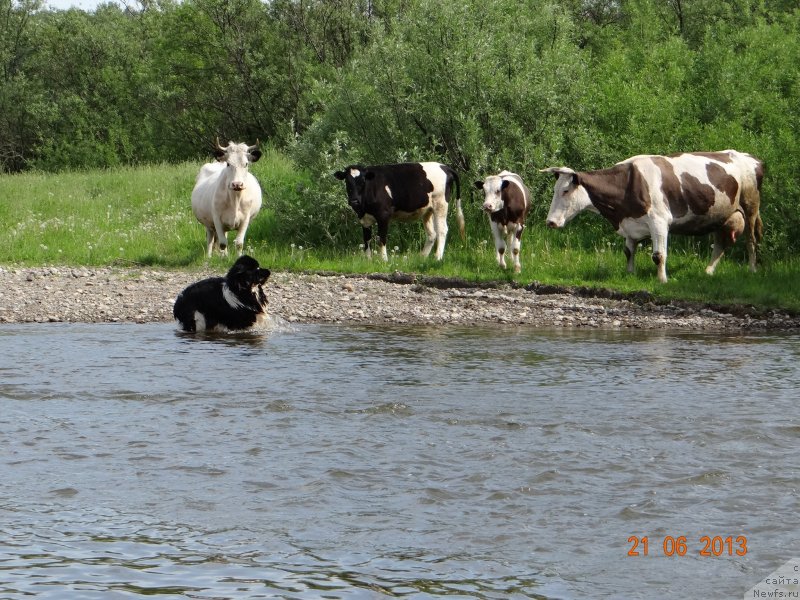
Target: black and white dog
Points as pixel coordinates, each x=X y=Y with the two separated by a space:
x=236 y=301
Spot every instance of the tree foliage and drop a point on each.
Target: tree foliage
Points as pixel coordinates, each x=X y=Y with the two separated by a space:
x=484 y=86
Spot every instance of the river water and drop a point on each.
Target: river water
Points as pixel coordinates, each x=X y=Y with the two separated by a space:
x=368 y=462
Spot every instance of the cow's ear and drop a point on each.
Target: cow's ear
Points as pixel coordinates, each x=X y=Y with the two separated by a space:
x=557 y=171
x=575 y=180
x=369 y=175
x=219 y=154
x=255 y=155
x=340 y=175
x=504 y=185
x=478 y=185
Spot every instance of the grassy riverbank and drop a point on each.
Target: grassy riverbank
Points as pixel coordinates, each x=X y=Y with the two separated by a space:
x=142 y=216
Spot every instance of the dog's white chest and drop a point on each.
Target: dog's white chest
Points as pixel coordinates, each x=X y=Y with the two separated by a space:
x=231 y=298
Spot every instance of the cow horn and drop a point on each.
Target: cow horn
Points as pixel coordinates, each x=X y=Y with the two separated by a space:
x=220 y=148
x=251 y=148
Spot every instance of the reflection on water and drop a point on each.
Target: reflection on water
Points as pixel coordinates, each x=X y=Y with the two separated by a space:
x=334 y=462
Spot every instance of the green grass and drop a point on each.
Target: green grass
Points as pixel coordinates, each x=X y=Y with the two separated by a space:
x=139 y=215
x=142 y=216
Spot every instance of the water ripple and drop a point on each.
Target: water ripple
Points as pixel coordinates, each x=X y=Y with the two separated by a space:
x=310 y=462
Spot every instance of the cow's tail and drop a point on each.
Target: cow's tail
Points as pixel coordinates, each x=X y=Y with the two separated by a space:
x=759 y=229
x=460 y=219
x=751 y=199
x=459 y=212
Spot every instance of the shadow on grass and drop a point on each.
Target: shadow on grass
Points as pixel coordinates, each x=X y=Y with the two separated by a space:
x=187 y=259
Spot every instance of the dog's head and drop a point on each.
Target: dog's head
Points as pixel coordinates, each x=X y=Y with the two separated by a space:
x=246 y=274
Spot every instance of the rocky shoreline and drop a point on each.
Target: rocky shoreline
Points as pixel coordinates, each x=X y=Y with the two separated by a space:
x=142 y=295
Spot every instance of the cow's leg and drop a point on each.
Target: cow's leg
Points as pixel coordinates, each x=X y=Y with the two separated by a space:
x=430 y=232
x=367 y=231
x=211 y=238
x=718 y=250
x=752 y=243
x=753 y=231
x=222 y=236
x=499 y=245
x=725 y=237
x=239 y=239
x=659 y=236
x=383 y=232
x=440 y=223
x=630 y=253
x=515 y=239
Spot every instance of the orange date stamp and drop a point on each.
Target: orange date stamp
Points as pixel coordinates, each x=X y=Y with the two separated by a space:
x=679 y=545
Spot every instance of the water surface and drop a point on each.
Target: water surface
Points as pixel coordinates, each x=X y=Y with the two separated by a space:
x=340 y=462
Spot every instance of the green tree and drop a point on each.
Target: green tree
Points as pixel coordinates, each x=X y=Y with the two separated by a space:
x=747 y=89
x=224 y=71
x=92 y=66
x=20 y=94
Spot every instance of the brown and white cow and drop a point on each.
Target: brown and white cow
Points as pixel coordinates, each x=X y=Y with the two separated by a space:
x=507 y=202
x=649 y=196
x=226 y=196
x=405 y=192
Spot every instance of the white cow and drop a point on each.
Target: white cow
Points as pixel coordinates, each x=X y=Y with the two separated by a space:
x=226 y=196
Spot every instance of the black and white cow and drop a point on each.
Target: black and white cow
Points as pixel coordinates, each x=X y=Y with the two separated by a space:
x=649 y=196
x=405 y=192
x=507 y=202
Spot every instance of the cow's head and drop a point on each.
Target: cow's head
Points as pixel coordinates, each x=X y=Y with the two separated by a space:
x=493 y=193
x=569 y=197
x=355 y=179
x=237 y=158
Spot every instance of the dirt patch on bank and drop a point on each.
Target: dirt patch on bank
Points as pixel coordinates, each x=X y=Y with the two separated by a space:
x=64 y=294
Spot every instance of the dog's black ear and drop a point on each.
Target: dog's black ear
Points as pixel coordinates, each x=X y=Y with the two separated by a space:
x=243 y=265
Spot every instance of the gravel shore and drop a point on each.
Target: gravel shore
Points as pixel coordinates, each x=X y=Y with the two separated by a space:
x=140 y=295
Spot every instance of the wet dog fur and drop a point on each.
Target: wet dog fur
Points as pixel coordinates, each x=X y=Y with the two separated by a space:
x=234 y=302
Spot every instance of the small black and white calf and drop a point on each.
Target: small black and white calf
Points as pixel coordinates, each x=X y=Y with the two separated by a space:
x=234 y=302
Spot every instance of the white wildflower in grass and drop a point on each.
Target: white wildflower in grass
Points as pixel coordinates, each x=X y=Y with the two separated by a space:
x=396 y=249
x=42 y=246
